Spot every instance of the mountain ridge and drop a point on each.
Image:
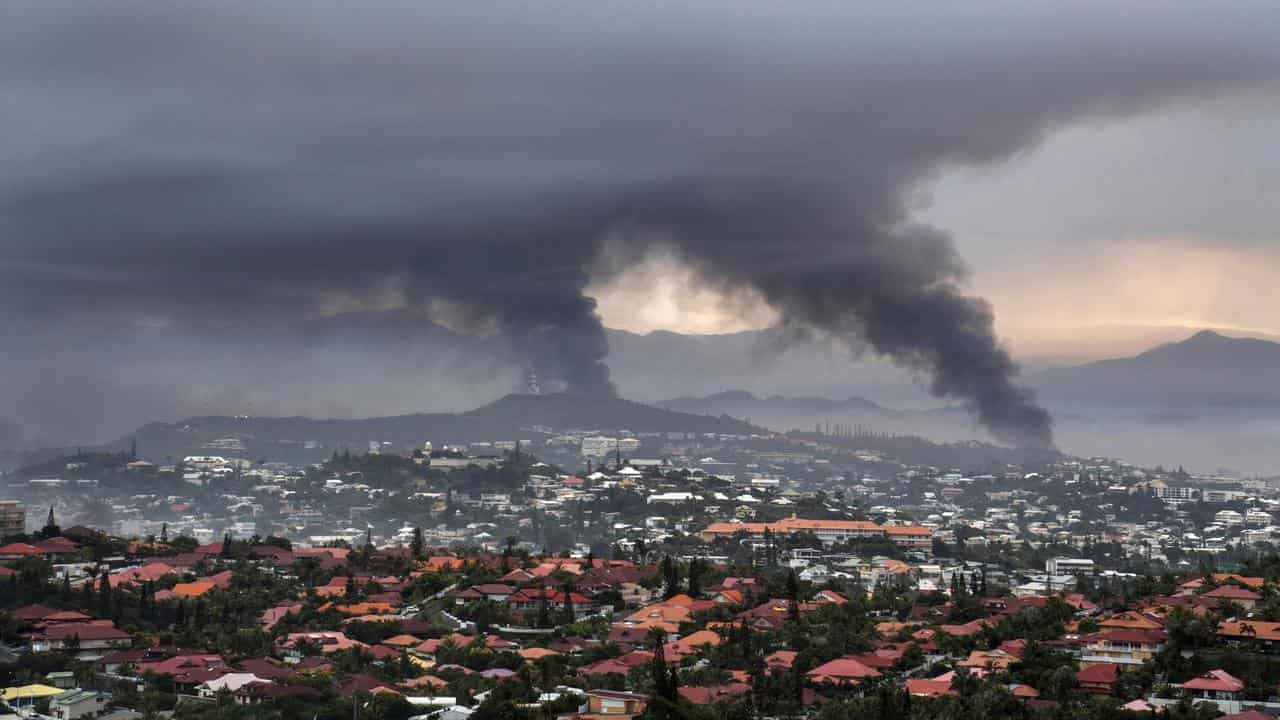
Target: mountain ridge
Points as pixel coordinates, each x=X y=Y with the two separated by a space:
x=1206 y=370
x=508 y=418
x=746 y=397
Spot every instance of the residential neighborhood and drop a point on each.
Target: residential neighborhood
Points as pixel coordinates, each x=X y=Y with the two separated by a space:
x=771 y=585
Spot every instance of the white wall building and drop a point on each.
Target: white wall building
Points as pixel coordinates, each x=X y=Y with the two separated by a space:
x=1069 y=566
x=1228 y=518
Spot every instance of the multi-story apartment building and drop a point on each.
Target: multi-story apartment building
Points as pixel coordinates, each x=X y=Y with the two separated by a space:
x=13 y=518
x=1174 y=494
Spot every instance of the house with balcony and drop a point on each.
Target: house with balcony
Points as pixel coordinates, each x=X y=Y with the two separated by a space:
x=1124 y=647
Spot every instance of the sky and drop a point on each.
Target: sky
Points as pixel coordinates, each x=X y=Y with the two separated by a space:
x=318 y=208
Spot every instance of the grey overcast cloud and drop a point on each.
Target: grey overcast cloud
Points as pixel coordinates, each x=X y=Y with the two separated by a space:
x=337 y=208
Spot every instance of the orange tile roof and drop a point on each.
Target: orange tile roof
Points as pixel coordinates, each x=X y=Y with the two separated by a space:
x=1130 y=620
x=436 y=563
x=368 y=619
x=692 y=642
x=365 y=608
x=1251 y=629
x=996 y=659
x=547 y=568
x=907 y=530
x=804 y=524
x=1247 y=581
x=922 y=687
x=725 y=528
x=895 y=567
x=402 y=641
x=794 y=524
x=192 y=589
x=660 y=615
x=426 y=681
x=732 y=597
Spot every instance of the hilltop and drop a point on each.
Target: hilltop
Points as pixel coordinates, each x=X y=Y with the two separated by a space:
x=1207 y=371
x=510 y=418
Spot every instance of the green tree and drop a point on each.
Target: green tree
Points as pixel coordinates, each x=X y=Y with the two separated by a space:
x=670 y=578
x=793 y=597
x=417 y=545
x=568 y=604
x=697 y=569
x=544 y=610
x=104 y=595
x=664 y=700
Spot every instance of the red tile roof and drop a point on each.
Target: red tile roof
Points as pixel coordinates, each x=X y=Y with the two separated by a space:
x=184 y=665
x=842 y=670
x=713 y=694
x=781 y=660
x=972 y=627
x=85 y=632
x=144 y=573
x=1232 y=592
x=55 y=545
x=33 y=612
x=1105 y=673
x=620 y=665
x=65 y=616
x=1216 y=680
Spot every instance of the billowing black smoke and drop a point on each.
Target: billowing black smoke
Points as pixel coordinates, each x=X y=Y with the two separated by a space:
x=824 y=264
x=237 y=199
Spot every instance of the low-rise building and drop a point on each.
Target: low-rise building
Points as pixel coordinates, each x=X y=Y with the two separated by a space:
x=1124 y=647
x=75 y=704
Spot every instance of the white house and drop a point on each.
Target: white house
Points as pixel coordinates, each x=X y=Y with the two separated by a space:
x=230 y=682
x=77 y=703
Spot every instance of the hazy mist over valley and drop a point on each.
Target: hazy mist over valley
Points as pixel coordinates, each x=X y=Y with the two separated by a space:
x=1206 y=400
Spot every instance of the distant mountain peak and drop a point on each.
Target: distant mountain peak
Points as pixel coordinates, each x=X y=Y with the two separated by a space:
x=739 y=395
x=1207 y=369
x=731 y=401
x=1217 y=350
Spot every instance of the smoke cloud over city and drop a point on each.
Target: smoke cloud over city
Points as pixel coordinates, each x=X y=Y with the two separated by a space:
x=242 y=188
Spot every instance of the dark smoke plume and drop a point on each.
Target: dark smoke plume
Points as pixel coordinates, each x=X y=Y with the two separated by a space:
x=252 y=189
x=894 y=287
